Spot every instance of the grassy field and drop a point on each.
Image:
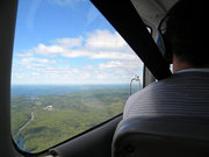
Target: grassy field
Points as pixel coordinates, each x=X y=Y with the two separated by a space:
x=60 y=117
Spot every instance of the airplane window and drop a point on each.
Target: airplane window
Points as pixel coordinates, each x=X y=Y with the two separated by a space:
x=71 y=71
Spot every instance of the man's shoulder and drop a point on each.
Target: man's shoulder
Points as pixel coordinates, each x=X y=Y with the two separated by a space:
x=178 y=79
x=152 y=87
x=138 y=98
x=166 y=91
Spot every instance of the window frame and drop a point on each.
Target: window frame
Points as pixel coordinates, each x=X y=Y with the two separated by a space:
x=73 y=137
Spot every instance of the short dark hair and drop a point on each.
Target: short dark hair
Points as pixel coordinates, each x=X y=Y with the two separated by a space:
x=186 y=31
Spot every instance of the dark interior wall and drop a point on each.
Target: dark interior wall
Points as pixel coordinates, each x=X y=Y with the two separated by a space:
x=7 y=26
x=95 y=143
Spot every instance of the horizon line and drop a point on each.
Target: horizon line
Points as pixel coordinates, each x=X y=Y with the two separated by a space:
x=69 y=84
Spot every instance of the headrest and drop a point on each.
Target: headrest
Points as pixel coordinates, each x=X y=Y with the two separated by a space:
x=149 y=133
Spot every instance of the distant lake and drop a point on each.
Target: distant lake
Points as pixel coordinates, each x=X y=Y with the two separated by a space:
x=38 y=90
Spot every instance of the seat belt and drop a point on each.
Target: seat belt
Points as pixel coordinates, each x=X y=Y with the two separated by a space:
x=125 y=19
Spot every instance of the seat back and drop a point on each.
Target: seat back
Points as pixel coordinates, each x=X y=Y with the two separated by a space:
x=162 y=136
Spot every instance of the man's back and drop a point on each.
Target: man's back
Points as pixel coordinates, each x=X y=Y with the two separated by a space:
x=185 y=94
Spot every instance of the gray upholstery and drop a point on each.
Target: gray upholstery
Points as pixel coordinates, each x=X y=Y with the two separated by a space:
x=185 y=94
x=169 y=118
x=168 y=136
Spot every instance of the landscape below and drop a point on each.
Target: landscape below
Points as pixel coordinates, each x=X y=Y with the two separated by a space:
x=43 y=116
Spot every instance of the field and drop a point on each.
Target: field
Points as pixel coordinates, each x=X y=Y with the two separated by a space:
x=43 y=117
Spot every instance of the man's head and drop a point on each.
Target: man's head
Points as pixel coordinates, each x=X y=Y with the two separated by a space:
x=186 y=29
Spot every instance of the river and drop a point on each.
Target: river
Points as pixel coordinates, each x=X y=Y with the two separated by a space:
x=20 y=141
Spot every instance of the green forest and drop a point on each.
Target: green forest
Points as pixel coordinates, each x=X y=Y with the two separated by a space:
x=40 y=122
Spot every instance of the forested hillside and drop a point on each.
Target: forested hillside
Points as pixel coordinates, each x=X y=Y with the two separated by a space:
x=41 y=121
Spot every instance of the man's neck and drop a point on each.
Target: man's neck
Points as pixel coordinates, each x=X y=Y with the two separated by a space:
x=180 y=65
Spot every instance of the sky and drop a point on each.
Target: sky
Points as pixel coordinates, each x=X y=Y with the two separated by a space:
x=69 y=42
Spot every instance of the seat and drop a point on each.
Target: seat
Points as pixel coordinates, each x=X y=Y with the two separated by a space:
x=163 y=136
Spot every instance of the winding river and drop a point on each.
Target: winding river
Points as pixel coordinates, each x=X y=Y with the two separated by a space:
x=19 y=137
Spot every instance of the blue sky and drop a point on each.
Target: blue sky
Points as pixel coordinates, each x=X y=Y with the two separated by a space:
x=69 y=42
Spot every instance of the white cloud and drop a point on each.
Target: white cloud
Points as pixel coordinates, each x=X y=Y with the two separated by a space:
x=47 y=49
x=104 y=39
x=26 y=54
x=30 y=60
x=69 y=42
x=42 y=64
x=100 y=44
x=32 y=64
x=111 y=64
x=35 y=74
x=114 y=55
x=121 y=64
x=77 y=53
x=82 y=75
